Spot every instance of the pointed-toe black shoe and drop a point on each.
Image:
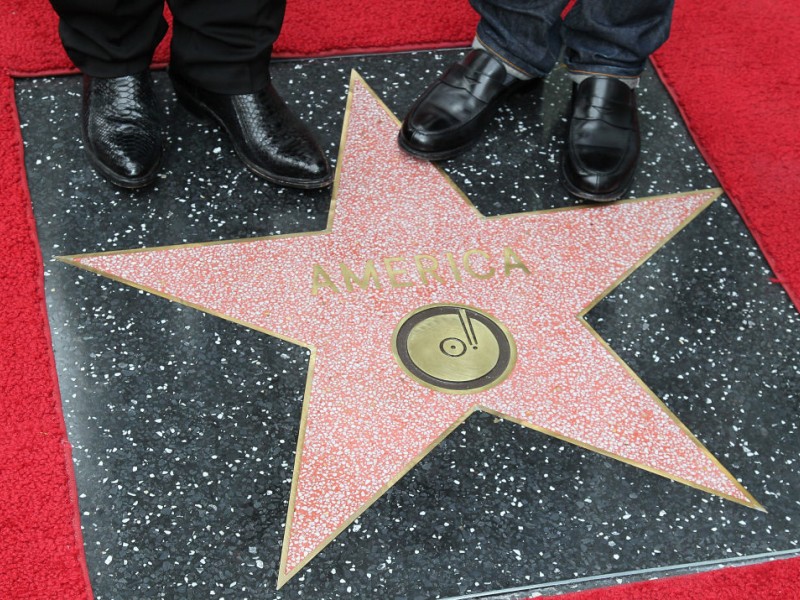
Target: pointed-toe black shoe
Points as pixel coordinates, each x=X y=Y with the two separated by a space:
x=452 y=113
x=121 y=126
x=266 y=135
x=603 y=140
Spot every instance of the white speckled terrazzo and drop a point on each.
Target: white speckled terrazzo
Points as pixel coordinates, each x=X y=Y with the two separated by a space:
x=366 y=421
x=184 y=426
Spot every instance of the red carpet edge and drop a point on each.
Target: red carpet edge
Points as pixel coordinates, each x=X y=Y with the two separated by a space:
x=42 y=554
x=776 y=580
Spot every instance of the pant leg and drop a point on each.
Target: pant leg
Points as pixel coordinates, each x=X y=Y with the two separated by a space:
x=225 y=45
x=110 y=38
x=615 y=37
x=524 y=33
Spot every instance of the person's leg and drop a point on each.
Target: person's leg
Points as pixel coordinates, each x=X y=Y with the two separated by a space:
x=110 y=39
x=220 y=69
x=225 y=47
x=525 y=34
x=112 y=43
x=517 y=41
x=614 y=38
x=607 y=44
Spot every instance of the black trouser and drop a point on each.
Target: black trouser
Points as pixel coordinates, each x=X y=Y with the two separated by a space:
x=221 y=45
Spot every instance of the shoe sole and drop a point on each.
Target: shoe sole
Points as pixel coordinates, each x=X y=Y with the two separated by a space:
x=434 y=156
x=128 y=183
x=584 y=195
x=203 y=111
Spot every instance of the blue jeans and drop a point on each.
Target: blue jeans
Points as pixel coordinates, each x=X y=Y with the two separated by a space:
x=612 y=37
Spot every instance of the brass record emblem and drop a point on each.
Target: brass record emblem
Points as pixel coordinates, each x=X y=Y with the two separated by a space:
x=454 y=348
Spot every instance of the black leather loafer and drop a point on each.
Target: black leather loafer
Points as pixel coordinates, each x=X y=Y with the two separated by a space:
x=121 y=125
x=269 y=139
x=452 y=113
x=603 y=140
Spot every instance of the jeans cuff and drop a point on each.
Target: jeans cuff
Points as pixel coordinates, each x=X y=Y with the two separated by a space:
x=579 y=76
x=608 y=71
x=498 y=54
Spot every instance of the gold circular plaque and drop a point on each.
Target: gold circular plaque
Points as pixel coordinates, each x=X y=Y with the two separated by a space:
x=454 y=348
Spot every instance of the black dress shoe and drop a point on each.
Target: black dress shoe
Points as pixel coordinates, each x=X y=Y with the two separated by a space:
x=269 y=139
x=452 y=113
x=603 y=140
x=121 y=126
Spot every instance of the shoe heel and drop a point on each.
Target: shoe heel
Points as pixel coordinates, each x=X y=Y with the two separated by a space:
x=189 y=103
x=529 y=86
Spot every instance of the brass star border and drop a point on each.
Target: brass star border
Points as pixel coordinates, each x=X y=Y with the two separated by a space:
x=423 y=187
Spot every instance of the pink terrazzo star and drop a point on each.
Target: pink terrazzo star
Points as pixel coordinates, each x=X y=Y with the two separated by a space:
x=401 y=237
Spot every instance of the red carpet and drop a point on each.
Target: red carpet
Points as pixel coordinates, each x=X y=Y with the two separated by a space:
x=721 y=54
x=778 y=580
x=725 y=67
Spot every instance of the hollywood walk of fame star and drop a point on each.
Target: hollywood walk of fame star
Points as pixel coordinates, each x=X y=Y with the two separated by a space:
x=418 y=310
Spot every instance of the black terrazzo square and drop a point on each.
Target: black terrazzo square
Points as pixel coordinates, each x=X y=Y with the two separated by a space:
x=184 y=426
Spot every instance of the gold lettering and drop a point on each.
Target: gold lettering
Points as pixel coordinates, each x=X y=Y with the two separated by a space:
x=431 y=269
x=468 y=266
x=320 y=278
x=370 y=274
x=394 y=274
x=453 y=266
x=511 y=260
